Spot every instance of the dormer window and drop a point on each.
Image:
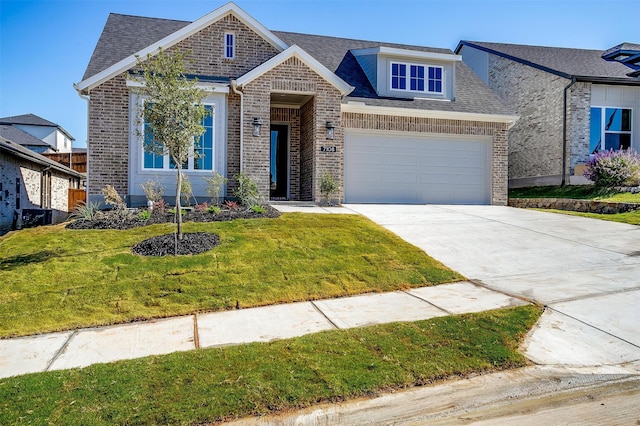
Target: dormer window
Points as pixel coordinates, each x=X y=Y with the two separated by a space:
x=229 y=46
x=414 y=79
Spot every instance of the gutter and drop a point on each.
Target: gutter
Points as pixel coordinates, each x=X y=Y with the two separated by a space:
x=234 y=87
x=564 y=131
x=86 y=98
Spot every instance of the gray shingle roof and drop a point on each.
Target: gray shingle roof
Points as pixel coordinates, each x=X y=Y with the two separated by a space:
x=563 y=61
x=20 y=137
x=124 y=35
x=20 y=151
x=33 y=120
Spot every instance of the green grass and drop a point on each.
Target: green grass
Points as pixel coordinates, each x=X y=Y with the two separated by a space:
x=583 y=192
x=54 y=279
x=210 y=385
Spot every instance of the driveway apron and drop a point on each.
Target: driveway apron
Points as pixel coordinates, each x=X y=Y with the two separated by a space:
x=585 y=271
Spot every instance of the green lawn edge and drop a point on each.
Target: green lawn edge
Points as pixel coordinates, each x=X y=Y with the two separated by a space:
x=216 y=384
x=55 y=279
x=579 y=192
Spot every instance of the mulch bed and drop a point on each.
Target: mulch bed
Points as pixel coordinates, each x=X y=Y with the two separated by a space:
x=168 y=244
x=109 y=220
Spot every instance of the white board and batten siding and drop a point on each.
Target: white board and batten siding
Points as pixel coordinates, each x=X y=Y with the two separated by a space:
x=415 y=168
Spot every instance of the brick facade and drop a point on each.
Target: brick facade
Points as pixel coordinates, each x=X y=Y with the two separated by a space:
x=535 y=142
x=294 y=76
x=497 y=131
x=108 y=138
x=578 y=125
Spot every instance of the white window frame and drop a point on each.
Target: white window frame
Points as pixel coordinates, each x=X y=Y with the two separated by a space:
x=226 y=46
x=604 y=132
x=408 y=78
x=166 y=161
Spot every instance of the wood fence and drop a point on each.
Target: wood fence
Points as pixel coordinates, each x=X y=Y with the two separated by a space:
x=76 y=161
x=76 y=197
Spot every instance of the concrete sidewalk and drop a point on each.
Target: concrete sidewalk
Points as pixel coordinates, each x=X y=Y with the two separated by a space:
x=80 y=348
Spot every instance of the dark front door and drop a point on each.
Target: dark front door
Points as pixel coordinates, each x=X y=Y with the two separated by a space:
x=279 y=165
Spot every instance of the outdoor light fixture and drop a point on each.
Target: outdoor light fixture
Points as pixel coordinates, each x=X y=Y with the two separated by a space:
x=330 y=126
x=257 y=123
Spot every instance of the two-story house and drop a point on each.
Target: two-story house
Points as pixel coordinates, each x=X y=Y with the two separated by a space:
x=36 y=133
x=392 y=123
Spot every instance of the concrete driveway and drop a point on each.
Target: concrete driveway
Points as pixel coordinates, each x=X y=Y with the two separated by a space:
x=586 y=271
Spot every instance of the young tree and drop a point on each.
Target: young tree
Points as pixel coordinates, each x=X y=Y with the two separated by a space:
x=173 y=113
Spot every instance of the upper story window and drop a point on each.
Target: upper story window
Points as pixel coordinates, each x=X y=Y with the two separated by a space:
x=203 y=148
x=610 y=129
x=229 y=46
x=416 y=78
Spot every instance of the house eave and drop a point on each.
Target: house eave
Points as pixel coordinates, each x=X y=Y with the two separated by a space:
x=361 y=108
x=88 y=84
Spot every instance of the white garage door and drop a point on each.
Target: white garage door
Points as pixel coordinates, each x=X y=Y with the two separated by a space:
x=416 y=169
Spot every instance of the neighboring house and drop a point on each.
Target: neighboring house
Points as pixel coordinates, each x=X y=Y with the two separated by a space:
x=391 y=123
x=33 y=188
x=583 y=100
x=53 y=135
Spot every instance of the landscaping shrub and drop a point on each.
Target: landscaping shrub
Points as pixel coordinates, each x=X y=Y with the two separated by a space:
x=215 y=183
x=328 y=187
x=614 y=168
x=87 y=211
x=247 y=191
x=152 y=190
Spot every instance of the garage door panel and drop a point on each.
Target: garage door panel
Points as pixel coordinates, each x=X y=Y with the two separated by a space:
x=389 y=168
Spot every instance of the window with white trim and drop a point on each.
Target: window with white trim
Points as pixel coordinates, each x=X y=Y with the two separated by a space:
x=229 y=46
x=201 y=158
x=610 y=129
x=416 y=78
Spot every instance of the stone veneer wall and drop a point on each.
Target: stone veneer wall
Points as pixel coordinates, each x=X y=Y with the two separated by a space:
x=535 y=142
x=587 y=206
x=31 y=189
x=108 y=138
x=497 y=131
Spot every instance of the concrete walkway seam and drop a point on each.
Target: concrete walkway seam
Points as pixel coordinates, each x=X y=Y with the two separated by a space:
x=196 y=337
x=61 y=350
x=425 y=300
x=592 y=326
x=324 y=315
x=480 y=284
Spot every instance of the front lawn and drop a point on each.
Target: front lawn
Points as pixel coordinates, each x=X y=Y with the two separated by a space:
x=56 y=279
x=210 y=385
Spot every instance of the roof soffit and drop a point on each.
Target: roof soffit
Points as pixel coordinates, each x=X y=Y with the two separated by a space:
x=174 y=38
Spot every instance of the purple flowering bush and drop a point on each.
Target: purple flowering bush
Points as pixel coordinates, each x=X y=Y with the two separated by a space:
x=614 y=168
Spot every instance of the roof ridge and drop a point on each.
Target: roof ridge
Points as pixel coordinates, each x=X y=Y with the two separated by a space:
x=148 y=17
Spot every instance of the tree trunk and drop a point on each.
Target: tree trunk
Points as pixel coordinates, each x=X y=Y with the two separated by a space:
x=178 y=205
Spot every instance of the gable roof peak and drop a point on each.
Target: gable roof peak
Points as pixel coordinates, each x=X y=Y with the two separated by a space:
x=89 y=82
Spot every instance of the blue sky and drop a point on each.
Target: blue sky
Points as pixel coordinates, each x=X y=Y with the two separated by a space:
x=45 y=45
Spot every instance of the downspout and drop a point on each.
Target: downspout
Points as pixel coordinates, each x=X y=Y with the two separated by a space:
x=234 y=87
x=564 y=133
